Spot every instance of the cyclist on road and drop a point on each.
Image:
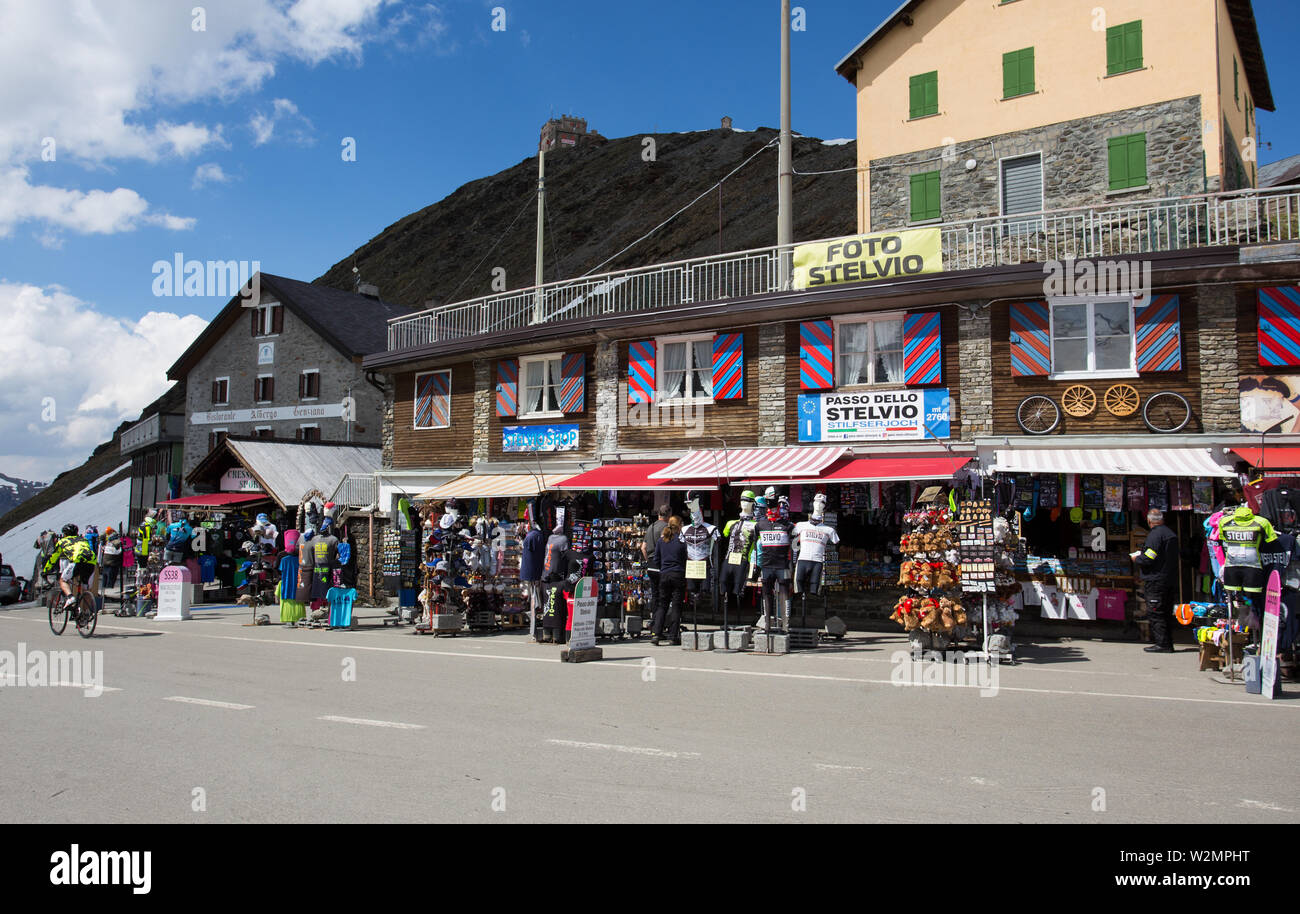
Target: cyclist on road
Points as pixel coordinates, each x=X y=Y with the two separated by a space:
x=76 y=562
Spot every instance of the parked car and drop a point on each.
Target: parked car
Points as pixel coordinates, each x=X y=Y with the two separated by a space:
x=11 y=588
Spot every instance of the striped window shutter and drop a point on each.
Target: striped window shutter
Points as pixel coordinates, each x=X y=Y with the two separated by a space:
x=573 y=380
x=922 y=349
x=641 y=372
x=1159 y=335
x=1031 y=343
x=1279 y=327
x=433 y=400
x=728 y=366
x=507 y=388
x=816 y=355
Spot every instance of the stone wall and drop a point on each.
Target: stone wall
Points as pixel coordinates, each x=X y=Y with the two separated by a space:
x=1075 y=164
x=771 y=385
x=1217 y=340
x=484 y=395
x=975 y=373
x=388 y=426
x=607 y=378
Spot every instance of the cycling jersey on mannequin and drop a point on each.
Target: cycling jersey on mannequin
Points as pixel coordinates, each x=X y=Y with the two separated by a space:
x=1242 y=534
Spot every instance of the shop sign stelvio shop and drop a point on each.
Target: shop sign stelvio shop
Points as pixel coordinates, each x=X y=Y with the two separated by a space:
x=877 y=415
x=517 y=438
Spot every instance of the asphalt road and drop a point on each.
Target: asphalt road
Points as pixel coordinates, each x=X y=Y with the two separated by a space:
x=213 y=721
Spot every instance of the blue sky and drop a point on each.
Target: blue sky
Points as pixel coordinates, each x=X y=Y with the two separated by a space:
x=433 y=96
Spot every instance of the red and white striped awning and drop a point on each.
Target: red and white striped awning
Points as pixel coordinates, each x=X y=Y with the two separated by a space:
x=1192 y=462
x=752 y=463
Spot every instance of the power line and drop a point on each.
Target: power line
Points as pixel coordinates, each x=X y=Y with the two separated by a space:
x=527 y=203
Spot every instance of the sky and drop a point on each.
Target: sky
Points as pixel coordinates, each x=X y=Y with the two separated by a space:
x=290 y=132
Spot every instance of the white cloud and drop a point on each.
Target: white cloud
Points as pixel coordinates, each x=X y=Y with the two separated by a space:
x=284 y=114
x=94 y=372
x=209 y=173
x=94 y=212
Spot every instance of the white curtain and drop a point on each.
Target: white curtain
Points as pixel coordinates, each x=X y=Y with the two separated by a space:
x=703 y=352
x=674 y=371
x=889 y=352
x=853 y=353
x=534 y=381
x=557 y=382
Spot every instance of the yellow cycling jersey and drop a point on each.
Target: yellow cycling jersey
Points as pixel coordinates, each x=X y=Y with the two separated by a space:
x=72 y=548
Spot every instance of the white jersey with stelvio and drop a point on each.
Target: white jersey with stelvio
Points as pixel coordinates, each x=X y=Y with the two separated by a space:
x=812 y=539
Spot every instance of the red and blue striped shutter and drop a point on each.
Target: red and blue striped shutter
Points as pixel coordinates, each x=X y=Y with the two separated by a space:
x=816 y=355
x=1159 y=335
x=1031 y=343
x=507 y=388
x=573 y=382
x=641 y=372
x=1279 y=327
x=728 y=366
x=433 y=400
x=922 y=349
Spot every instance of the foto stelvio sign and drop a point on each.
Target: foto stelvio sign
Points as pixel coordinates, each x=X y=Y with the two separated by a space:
x=867 y=258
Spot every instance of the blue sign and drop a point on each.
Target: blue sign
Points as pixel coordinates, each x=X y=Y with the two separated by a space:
x=875 y=415
x=530 y=438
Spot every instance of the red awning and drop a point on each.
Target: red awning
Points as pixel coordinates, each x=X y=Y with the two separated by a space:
x=215 y=500
x=630 y=477
x=752 y=463
x=1269 y=458
x=882 y=468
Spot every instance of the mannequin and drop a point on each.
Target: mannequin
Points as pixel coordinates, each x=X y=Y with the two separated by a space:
x=699 y=538
x=773 y=553
x=1242 y=534
x=531 y=563
x=739 y=534
x=812 y=537
x=553 y=573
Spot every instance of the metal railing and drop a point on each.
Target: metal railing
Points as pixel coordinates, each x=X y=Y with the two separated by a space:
x=1119 y=229
x=356 y=490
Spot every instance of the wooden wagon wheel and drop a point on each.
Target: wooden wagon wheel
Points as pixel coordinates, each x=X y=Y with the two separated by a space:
x=1078 y=401
x=1122 y=400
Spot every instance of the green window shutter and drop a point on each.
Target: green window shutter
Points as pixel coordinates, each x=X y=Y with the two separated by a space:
x=1127 y=161
x=1117 y=162
x=1137 y=160
x=925 y=196
x=1017 y=73
x=1114 y=50
x=1133 y=45
x=924 y=94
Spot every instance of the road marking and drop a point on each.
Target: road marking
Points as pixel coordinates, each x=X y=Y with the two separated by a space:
x=372 y=723
x=12 y=679
x=633 y=750
x=1256 y=804
x=822 y=767
x=209 y=703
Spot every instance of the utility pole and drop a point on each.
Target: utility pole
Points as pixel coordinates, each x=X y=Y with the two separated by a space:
x=785 y=163
x=541 y=227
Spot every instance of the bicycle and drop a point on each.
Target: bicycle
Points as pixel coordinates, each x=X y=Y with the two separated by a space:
x=87 y=613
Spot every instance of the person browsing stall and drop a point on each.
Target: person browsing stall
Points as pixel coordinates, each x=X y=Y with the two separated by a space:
x=1158 y=561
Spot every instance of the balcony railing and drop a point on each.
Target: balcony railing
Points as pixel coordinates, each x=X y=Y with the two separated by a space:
x=356 y=490
x=1120 y=229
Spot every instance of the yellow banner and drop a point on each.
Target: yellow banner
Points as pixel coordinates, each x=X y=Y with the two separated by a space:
x=865 y=258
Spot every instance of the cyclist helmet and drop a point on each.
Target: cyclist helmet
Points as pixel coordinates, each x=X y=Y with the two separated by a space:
x=70 y=530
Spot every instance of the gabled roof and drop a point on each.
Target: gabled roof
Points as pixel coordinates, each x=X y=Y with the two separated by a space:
x=353 y=324
x=287 y=470
x=1240 y=12
x=1282 y=173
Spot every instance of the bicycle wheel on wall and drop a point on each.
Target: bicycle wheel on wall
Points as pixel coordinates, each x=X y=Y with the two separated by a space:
x=1038 y=415
x=1166 y=412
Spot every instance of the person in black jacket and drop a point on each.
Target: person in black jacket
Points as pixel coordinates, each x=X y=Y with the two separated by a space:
x=1158 y=560
x=670 y=556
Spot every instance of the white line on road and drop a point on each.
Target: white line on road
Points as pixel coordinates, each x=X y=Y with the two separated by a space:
x=1256 y=804
x=12 y=679
x=372 y=723
x=821 y=767
x=634 y=750
x=209 y=703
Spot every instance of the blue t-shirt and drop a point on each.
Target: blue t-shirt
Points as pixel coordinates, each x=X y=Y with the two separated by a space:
x=207 y=569
x=178 y=535
x=533 y=559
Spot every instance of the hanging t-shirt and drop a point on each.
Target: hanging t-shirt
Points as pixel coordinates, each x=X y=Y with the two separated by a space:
x=533 y=558
x=324 y=551
x=1280 y=556
x=269 y=533
x=291 y=540
x=1282 y=507
x=813 y=539
x=289 y=577
x=698 y=539
x=178 y=535
x=556 y=545
x=128 y=552
x=207 y=568
x=226 y=570
x=773 y=543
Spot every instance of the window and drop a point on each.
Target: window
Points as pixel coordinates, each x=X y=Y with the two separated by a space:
x=1128 y=161
x=1018 y=73
x=925 y=196
x=1124 y=48
x=309 y=384
x=264 y=431
x=685 y=368
x=1092 y=337
x=924 y=94
x=308 y=433
x=221 y=391
x=268 y=319
x=870 y=350
x=542 y=381
x=432 y=400
x=264 y=388
x=214 y=438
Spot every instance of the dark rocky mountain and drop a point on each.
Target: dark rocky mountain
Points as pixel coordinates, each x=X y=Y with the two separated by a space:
x=600 y=198
x=14 y=491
